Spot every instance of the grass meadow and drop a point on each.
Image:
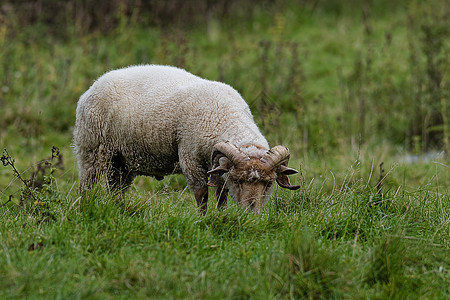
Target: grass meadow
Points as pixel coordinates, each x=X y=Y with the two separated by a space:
x=359 y=92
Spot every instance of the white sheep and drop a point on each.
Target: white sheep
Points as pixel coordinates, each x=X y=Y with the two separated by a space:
x=159 y=120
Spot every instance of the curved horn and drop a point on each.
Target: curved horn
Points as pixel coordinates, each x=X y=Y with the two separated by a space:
x=224 y=156
x=278 y=156
x=230 y=151
x=275 y=156
x=283 y=179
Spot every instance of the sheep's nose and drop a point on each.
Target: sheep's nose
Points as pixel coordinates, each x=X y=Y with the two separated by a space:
x=256 y=206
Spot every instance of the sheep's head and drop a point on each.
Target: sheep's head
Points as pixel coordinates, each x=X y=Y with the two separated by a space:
x=248 y=176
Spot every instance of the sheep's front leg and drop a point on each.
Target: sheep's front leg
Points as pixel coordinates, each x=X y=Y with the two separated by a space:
x=201 y=196
x=196 y=177
x=221 y=192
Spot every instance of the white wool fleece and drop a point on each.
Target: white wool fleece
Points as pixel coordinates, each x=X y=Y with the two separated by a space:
x=158 y=120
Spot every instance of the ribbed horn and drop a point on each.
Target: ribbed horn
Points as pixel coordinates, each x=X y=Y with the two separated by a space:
x=275 y=156
x=278 y=156
x=230 y=151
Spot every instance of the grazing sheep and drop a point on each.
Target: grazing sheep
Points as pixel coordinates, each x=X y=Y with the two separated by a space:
x=159 y=120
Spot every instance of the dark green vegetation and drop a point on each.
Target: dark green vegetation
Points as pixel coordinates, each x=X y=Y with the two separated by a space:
x=345 y=86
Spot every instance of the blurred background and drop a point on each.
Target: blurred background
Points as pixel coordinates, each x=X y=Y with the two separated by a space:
x=336 y=81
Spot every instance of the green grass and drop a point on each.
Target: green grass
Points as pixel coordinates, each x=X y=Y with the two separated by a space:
x=304 y=244
x=344 y=92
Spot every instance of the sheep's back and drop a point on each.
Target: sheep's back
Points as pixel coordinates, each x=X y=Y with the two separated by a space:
x=151 y=110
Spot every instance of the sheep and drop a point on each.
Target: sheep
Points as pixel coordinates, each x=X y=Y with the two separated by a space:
x=158 y=120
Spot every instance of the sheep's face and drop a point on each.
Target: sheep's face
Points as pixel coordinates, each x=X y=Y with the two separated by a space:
x=250 y=172
x=250 y=184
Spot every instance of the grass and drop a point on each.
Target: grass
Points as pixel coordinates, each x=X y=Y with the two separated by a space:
x=352 y=87
x=350 y=242
x=305 y=244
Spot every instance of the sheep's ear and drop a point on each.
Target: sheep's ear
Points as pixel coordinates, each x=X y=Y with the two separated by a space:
x=214 y=174
x=285 y=170
x=224 y=165
x=283 y=179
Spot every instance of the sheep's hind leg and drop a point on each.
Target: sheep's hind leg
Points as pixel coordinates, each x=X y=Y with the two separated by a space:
x=119 y=176
x=86 y=179
x=87 y=169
